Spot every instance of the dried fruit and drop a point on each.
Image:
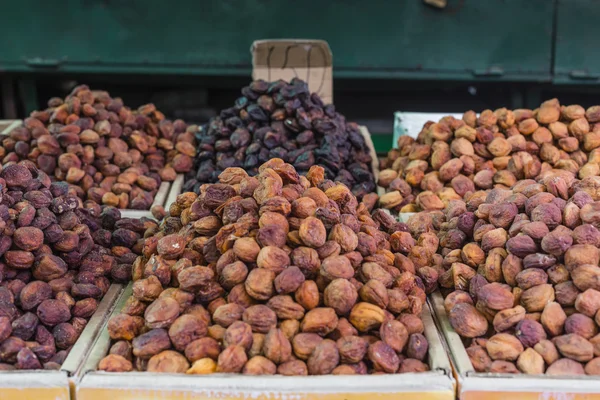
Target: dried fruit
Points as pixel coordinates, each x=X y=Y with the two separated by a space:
x=530 y=362
x=565 y=366
x=57 y=259
x=467 y=321
x=504 y=346
x=203 y=366
x=168 y=361
x=108 y=153
x=538 y=287
x=453 y=158
x=574 y=347
x=115 y=363
x=383 y=357
x=324 y=358
x=286 y=278
x=282 y=120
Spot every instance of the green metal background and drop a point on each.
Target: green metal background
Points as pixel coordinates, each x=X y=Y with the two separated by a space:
x=577 y=59
x=470 y=39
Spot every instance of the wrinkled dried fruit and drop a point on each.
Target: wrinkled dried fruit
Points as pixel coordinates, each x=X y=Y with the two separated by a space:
x=467 y=321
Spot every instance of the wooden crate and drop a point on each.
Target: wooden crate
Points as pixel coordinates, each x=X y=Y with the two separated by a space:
x=437 y=384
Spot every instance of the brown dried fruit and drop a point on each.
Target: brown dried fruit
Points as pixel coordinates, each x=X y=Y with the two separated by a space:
x=273 y=259
x=324 y=358
x=289 y=280
x=417 y=347
x=467 y=321
x=581 y=325
x=286 y=308
x=479 y=358
x=586 y=277
x=352 y=349
x=335 y=267
x=232 y=359
x=581 y=254
x=259 y=283
x=260 y=317
x=124 y=326
x=530 y=362
x=537 y=297
x=161 y=313
x=588 y=302
x=383 y=357
x=495 y=296
x=53 y=312
x=277 y=347
x=322 y=321
x=259 y=365
x=151 y=343
x=202 y=348
x=115 y=363
x=505 y=347
x=574 y=347
x=312 y=232
x=412 y=365
x=185 y=329
x=547 y=350
x=168 y=361
x=593 y=367
x=202 y=366
x=293 y=368
x=366 y=316
x=307 y=295
x=508 y=318
x=553 y=318
x=246 y=249
x=341 y=295
x=565 y=366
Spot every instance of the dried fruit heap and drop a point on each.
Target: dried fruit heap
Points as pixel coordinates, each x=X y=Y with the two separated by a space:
x=108 y=153
x=283 y=120
x=55 y=264
x=522 y=268
x=277 y=273
x=452 y=157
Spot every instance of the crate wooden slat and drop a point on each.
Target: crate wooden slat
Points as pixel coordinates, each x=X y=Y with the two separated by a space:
x=175 y=191
x=7 y=125
x=159 y=199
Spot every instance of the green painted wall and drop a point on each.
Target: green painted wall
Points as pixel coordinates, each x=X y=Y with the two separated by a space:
x=470 y=39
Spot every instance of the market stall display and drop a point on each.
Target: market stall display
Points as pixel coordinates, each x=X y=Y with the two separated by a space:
x=285 y=259
x=57 y=261
x=523 y=265
x=56 y=384
x=434 y=384
x=301 y=279
x=108 y=153
x=496 y=148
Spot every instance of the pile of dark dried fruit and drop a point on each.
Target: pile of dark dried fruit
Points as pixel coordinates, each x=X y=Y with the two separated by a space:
x=108 y=153
x=56 y=264
x=275 y=274
x=283 y=120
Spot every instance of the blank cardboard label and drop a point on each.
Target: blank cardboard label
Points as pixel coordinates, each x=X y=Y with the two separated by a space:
x=309 y=60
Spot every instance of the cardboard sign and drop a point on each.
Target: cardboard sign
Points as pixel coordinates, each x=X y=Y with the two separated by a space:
x=309 y=60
